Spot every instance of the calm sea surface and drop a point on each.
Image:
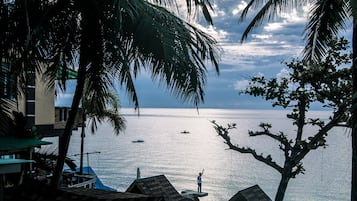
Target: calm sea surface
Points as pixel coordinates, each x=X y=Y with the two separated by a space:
x=181 y=156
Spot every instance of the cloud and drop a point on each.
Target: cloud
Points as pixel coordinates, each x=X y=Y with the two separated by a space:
x=251 y=57
x=275 y=26
x=284 y=73
x=217 y=12
x=240 y=85
x=265 y=49
x=239 y=8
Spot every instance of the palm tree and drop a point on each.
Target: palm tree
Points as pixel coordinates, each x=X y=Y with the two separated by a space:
x=27 y=45
x=6 y=104
x=96 y=113
x=115 y=40
x=130 y=36
x=327 y=18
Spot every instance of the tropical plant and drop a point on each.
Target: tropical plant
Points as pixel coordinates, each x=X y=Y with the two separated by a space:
x=4 y=115
x=114 y=41
x=24 y=39
x=326 y=83
x=327 y=18
x=97 y=113
x=131 y=35
x=7 y=103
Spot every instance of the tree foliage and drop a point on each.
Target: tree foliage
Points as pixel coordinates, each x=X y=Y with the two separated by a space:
x=326 y=83
x=327 y=18
x=108 y=42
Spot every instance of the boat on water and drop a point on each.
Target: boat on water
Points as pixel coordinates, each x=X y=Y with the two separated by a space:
x=137 y=141
x=83 y=176
x=185 y=132
x=88 y=179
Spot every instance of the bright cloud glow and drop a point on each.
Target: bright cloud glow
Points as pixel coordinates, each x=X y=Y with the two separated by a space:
x=273 y=26
x=295 y=16
x=219 y=35
x=218 y=12
x=239 y=8
x=284 y=73
x=262 y=36
x=240 y=85
x=265 y=48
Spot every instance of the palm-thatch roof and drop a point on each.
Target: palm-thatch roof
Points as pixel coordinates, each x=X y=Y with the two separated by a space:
x=253 y=193
x=158 y=186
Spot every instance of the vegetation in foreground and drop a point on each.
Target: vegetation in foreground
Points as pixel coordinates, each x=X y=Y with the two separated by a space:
x=327 y=83
x=327 y=20
x=108 y=42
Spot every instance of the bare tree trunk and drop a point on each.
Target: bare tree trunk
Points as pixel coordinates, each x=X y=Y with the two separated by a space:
x=282 y=187
x=354 y=114
x=87 y=52
x=65 y=138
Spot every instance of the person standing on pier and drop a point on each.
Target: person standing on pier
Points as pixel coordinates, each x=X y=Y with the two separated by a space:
x=199 y=181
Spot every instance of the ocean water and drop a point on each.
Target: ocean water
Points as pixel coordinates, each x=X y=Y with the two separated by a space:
x=181 y=156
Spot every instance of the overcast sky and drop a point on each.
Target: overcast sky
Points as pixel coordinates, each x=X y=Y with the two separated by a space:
x=262 y=53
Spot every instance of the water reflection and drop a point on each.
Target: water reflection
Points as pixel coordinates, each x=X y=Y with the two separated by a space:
x=180 y=157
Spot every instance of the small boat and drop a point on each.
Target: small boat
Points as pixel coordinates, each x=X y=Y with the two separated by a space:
x=72 y=179
x=137 y=141
x=185 y=132
x=83 y=177
x=88 y=179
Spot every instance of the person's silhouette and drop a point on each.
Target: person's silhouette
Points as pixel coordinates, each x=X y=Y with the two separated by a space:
x=199 y=181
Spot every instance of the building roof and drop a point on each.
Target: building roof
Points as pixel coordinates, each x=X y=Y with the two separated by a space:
x=98 y=194
x=13 y=144
x=69 y=73
x=156 y=186
x=253 y=193
x=14 y=161
x=38 y=191
x=12 y=165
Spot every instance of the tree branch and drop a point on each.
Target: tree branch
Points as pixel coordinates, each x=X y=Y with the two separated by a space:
x=223 y=132
x=281 y=137
x=317 y=140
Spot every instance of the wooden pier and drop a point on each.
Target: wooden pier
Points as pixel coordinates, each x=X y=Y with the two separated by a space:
x=193 y=194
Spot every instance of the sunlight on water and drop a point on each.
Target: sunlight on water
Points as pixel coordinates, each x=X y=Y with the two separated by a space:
x=180 y=157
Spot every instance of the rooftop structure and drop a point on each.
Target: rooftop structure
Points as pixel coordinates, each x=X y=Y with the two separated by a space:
x=12 y=145
x=253 y=193
x=158 y=186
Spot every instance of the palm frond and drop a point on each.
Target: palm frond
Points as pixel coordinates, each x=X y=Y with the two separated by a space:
x=252 y=4
x=328 y=17
x=172 y=50
x=269 y=10
x=117 y=121
x=103 y=109
x=354 y=8
x=194 y=7
x=7 y=98
x=35 y=37
x=6 y=106
x=99 y=104
x=126 y=79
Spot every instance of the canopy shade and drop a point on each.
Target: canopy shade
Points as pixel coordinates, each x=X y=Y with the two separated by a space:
x=13 y=144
